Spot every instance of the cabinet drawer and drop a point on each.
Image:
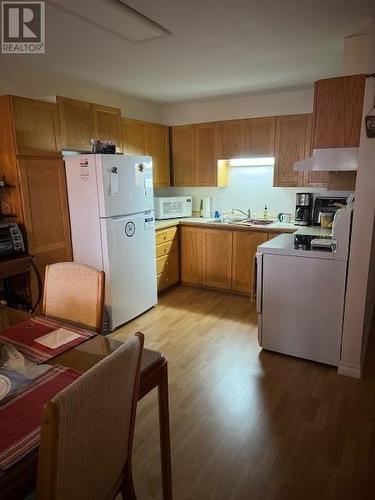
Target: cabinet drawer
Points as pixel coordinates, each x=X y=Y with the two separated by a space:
x=167 y=279
x=164 y=235
x=166 y=248
x=166 y=263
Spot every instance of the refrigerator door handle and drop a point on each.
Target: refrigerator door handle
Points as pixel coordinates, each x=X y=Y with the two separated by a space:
x=259 y=272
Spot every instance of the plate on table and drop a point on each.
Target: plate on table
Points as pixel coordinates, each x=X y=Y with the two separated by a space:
x=5 y=386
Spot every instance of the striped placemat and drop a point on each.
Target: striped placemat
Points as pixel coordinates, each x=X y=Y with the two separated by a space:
x=23 y=336
x=21 y=416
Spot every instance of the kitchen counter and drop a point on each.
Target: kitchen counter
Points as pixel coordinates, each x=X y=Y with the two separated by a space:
x=277 y=227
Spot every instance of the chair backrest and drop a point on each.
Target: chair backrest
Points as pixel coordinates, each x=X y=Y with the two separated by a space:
x=87 y=430
x=74 y=292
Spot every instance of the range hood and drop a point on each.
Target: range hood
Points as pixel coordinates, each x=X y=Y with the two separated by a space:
x=329 y=160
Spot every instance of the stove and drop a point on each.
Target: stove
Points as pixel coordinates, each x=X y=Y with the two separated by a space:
x=309 y=242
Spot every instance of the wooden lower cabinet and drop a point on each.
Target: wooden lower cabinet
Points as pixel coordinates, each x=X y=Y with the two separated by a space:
x=192 y=255
x=217 y=258
x=244 y=250
x=167 y=257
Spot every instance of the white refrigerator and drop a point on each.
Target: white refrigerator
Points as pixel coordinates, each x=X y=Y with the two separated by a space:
x=113 y=228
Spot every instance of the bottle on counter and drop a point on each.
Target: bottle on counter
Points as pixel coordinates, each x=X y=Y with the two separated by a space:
x=265 y=212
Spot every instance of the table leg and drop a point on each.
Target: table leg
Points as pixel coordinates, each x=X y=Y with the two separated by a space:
x=165 y=438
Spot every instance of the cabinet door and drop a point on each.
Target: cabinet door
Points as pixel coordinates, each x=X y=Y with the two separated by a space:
x=314 y=178
x=260 y=136
x=217 y=258
x=36 y=126
x=206 y=136
x=182 y=153
x=107 y=124
x=76 y=124
x=292 y=143
x=157 y=146
x=231 y=139
x=46 y=213
x=134 y=136
x=338 y=106
x=244 y=248
x=192 y=255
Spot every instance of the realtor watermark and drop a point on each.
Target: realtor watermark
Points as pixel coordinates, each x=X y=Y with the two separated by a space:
x=23 y=27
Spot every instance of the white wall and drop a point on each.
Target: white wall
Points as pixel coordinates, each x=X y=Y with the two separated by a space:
x=249 y=187
x=245 y=106
x=360 y=296
x=31 y=83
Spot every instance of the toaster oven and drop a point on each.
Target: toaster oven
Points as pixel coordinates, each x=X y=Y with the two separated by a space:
x=11 y=240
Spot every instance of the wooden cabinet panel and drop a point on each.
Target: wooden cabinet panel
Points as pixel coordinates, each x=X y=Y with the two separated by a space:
x=157 y=146
x=217 y=258
x=260 y=136
x=183 y=155
x=76 y=124
x=165 y=235
x=134 y=136
x=244 y=249
x=231 y=139
x=292 y=143
x=165 y=280
x=342 y=181
x=166 y=248
x=107 y=124
x=338 y=106
x=36 y=127
x=166 y=263
x=192 y=255
x=206 y=137
x=46 y=209
x=315 y=179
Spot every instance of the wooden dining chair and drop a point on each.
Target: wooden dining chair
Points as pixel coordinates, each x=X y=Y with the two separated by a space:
x=74 y=292
x=87 y=431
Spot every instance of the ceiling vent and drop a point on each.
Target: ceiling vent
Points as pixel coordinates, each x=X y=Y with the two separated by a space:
x=115 y=17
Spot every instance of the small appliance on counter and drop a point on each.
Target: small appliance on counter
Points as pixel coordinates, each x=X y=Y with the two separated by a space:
x=304 y=202
x=11 y=240
x=173 y=207
x=205 y=207
x=326 y=205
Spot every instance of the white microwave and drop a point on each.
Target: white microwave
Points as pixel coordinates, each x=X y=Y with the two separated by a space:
x=173 y=207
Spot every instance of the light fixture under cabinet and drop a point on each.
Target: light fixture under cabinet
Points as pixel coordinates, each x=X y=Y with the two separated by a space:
x=260 y=161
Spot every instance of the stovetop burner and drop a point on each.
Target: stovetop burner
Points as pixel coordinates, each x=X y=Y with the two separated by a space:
x=309 y=242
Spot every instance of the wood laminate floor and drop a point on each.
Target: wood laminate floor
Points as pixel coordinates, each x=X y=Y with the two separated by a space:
x=248 y=424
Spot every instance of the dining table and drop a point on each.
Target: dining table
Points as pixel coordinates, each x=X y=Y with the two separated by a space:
x=20 y=479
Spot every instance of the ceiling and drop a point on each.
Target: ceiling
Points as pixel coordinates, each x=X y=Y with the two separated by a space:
x=216 y=48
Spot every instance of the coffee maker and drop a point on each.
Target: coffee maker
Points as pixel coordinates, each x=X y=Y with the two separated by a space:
x=304 y=202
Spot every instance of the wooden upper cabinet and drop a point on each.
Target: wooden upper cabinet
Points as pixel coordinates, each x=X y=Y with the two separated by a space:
x=36 y=126
x=206 y=140
x=260 y=136
x=244 y=249
x=338 y=107
x=292 y=143
x=183 y=155
x=76 y=124
x=157 y=146
x=107 y=124
x=217 y=258
x=134 y=136
x=231 y=139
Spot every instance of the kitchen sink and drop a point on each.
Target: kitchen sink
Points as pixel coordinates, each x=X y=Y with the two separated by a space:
x=244 y=222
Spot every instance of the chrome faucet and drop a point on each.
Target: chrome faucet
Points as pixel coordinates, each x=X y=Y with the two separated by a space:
x=246 y=214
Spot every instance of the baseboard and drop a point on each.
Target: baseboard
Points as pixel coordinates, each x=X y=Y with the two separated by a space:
x=350 y=371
